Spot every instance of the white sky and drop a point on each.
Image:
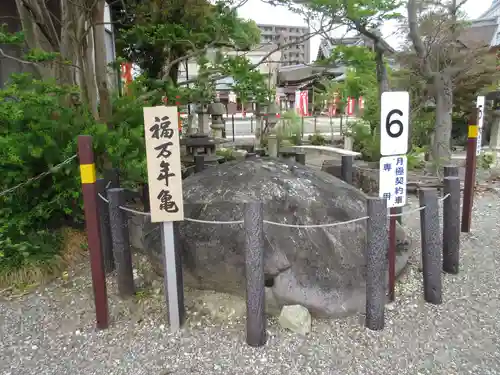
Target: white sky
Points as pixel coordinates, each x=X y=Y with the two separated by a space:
x=267 y=14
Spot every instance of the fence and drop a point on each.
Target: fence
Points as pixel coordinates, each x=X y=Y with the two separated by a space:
x=242 y=127
x=440 y=251
x=109 y=246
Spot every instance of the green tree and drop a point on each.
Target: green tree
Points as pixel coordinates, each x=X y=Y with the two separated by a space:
x=161 y=35
x=366 y=17
x=448 y=62
x=158 y=35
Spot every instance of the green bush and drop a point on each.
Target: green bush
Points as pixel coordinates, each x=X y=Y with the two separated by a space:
x=39 y=124
x=317 y=139
x=289 y=129
x=364 y=141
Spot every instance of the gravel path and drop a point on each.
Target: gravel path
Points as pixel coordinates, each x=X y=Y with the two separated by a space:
x=51 y=331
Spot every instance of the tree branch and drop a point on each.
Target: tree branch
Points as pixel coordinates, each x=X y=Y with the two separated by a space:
x=21 y=61
x=416 y=38
x=262 y=60
x=33 y=63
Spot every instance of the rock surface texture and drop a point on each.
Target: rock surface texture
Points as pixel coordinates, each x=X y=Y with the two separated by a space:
x=322 y=269
x=296 y=318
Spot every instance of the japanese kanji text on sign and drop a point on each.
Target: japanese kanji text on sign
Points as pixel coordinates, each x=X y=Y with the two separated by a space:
x=393 y=180
x=164 y=163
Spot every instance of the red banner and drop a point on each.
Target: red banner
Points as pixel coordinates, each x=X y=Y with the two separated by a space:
x=304 y=103
x=349 y=109
x=126 y=76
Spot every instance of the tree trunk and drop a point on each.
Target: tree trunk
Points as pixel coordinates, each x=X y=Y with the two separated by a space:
x=382 y=78
x=89 y=75
x=101 y=71
x=174 y=73
x=32 y=37
x=441 y=150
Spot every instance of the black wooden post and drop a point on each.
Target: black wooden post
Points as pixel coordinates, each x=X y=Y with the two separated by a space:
x=121 y=244
x=104 y=223
x=431 y=245
x=145 y=197
x=300 y=157
x=254 y=272
x=347 y=168
x=113 y=177
x=199 y=163
x=376 y=262
x=451 y=225
x=450 y=171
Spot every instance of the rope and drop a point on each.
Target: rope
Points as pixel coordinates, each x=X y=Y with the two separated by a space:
x=419 y=208
x=304 y=226
x=444 y=198
x=407 y=212
x=134 y=211
x=104 y=199
x=41 y=175
x=214 y=222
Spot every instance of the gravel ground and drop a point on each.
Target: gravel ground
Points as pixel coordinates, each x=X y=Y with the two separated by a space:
x=51 y=330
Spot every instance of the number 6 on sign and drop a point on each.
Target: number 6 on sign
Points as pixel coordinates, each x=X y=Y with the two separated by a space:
x=395 y=107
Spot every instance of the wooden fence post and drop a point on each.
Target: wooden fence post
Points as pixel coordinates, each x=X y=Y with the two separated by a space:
x=376 y=262
x=347 y=168
x=451 y=225
x=89 y=191
x=104 y=226
x=112 y=176
x=470 y=175
x=300 y=157
x=199 y=163
x=145 y=197
x=431 y=245
x=121 y=243
x=254 y=272
x=450 y=171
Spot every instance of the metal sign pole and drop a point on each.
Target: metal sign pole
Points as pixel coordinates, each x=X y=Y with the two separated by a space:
x=172 y=269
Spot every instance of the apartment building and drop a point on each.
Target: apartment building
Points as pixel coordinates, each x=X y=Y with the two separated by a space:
x=297 y=53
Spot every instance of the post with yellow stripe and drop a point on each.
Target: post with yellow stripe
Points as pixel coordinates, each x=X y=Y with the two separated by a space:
x=470 y=174
x=89 y=189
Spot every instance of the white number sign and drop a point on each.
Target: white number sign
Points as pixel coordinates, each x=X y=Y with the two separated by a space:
x=392 y=180
x=395 y=108
x=480 y=121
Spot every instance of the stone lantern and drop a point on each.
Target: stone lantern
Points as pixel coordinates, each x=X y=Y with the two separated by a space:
x=272 y=115
x=272 y=139
x=202 y=111
x=201 y=143
x=217 y=110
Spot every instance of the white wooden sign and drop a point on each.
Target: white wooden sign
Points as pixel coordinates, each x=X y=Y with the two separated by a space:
x=480 y=105
x=394 y=114
x=392 y=180
x=164 y=163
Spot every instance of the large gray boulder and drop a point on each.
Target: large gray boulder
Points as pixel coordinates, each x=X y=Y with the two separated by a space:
x=322 y=269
